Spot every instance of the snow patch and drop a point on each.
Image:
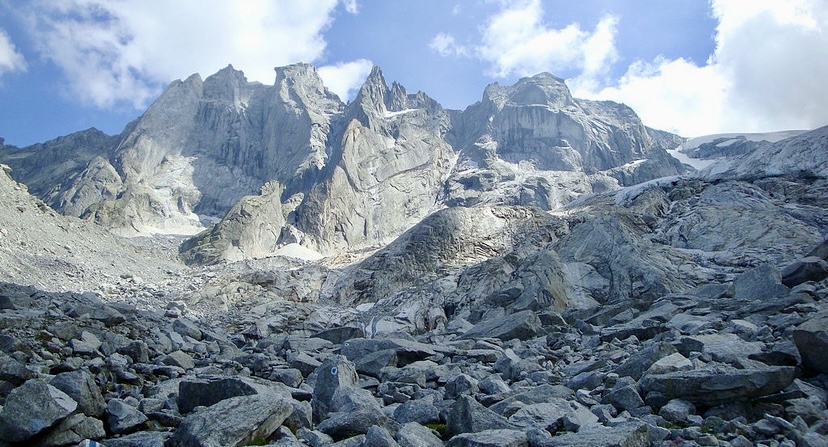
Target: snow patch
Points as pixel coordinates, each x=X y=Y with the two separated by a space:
x=626 y=195
x=771 y=137
x=393 y=114
x=297 y=251
x=696 y=163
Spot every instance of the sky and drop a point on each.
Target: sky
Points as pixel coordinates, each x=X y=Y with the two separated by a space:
x=693 y=67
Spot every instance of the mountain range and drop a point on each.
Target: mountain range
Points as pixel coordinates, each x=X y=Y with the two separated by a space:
x=536 y=270
x=291 y=163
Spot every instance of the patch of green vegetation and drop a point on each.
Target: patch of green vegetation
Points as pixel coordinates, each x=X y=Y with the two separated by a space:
x=258 y=441
x=439 y=428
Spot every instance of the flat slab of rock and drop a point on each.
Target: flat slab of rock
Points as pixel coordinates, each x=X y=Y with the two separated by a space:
x=630 y=434
x=140 y=439
x=722 y=347
x=521 y=325
x=490 y=438
x=233 y=422
x=407 y=351
x=718 y=385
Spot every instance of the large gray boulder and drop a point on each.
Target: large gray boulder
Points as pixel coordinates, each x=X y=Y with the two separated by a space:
x=233 y=422
x=210 y=390
x=521 y=325
x=716 y=385
x=469 y=416
x=81 y=386
x=811 y=338
x=759 y=284
x=356 y=411
x=32 y=408
x=811 y=268
x=334 y=373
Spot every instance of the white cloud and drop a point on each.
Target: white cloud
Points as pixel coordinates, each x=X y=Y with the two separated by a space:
x=767 y=73
x=344 y=78
x=673 y=95
x=516 y=41
x=445 y=45
x=10 y=59
x=351 y=6
x=118 y=51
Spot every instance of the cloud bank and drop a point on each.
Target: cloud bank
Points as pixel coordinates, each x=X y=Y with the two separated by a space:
x=115 y=52
x=767 y=71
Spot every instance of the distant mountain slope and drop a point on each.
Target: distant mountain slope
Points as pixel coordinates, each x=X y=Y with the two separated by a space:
x=42 y=248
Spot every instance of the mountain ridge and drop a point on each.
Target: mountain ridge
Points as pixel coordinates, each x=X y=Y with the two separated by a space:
x=351 y=175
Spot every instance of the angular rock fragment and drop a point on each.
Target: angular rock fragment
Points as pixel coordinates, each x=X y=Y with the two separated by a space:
x=469 y=416
x=13 y=371
x=233 y=422
x=32 y=408
x=811 y=338
x=334 y=373
x=413 y=434
x=81 y=386
x=806 y=269
x=123 y=418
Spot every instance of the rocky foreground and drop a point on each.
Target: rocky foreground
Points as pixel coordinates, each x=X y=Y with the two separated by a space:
x=737 y=364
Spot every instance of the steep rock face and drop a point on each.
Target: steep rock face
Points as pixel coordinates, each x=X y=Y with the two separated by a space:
x=351 y=176
x=251 y=229
x=803 y=155
x=386 y=171
x=534 y=144
x=204 y=145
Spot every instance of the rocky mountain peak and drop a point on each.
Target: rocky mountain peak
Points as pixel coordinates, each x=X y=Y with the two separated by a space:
x=541 y=89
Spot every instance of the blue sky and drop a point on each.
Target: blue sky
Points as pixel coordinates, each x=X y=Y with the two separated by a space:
x=689 y=66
